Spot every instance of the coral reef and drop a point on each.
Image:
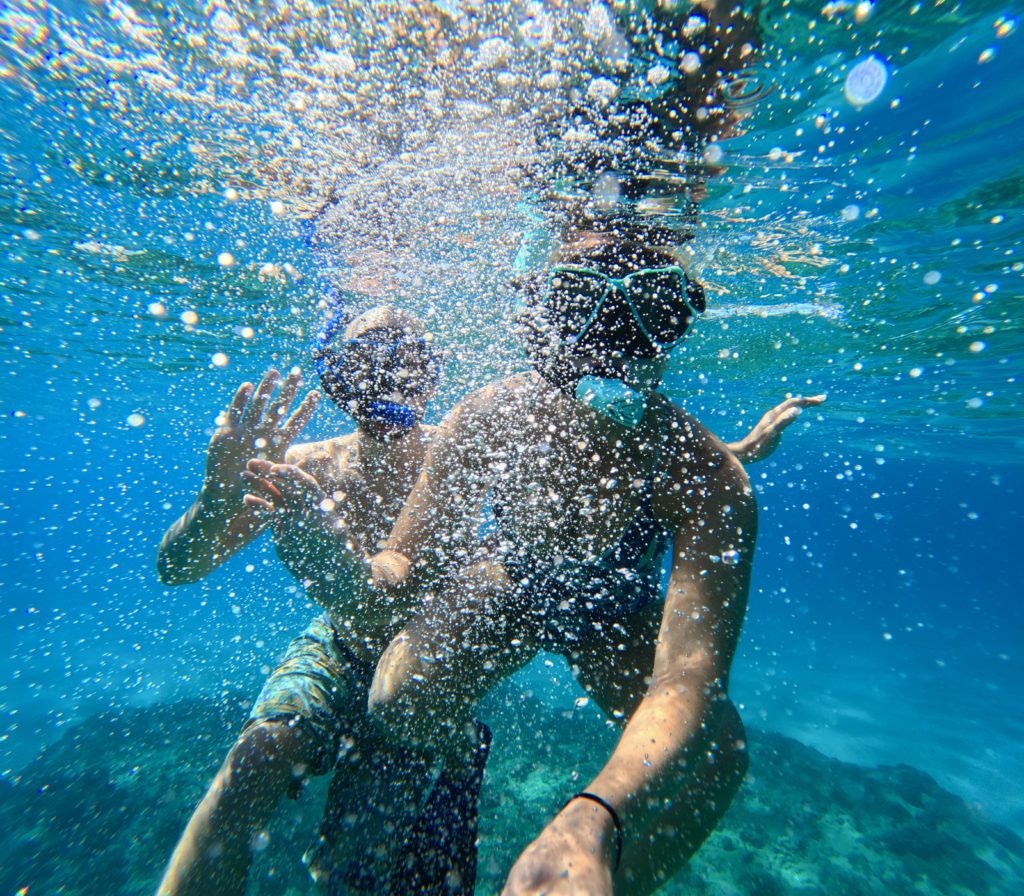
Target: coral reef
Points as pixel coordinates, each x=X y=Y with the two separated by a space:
x=99 y=811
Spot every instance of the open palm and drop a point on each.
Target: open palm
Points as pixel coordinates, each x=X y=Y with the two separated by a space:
x=256 y=424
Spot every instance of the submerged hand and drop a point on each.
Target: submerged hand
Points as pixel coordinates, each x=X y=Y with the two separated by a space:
x=288 y=492
x=764 y=438
x=389 y=570
x=571 y=857
x=254 y=424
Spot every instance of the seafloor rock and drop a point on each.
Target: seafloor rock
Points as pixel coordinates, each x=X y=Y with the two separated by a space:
x=99 y=811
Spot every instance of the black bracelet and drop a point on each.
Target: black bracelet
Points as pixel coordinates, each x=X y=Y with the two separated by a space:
x=594 y=798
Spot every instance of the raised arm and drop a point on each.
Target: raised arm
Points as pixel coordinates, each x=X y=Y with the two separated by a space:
x=765 y=437
x=671 y=730
x=219 y=524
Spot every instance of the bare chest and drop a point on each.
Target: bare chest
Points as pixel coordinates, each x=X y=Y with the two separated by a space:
x=559 y=493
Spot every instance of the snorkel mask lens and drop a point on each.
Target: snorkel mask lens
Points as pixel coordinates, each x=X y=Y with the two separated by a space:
x=662 y=301
x=366 y=373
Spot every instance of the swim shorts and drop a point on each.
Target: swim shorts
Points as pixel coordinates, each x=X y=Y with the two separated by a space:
x=320 y=685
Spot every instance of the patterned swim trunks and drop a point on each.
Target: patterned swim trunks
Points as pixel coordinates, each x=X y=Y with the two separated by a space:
x=320 y=685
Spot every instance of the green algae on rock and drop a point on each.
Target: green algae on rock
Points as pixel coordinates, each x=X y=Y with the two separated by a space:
x=100 y=810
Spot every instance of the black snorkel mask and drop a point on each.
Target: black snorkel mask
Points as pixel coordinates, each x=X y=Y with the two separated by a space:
x=603 y=340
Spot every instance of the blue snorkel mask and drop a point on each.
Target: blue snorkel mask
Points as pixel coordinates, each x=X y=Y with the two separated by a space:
x=373 y=375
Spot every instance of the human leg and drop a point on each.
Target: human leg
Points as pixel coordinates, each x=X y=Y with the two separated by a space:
x=614 y=666
x=215 y=851
x=292 y=732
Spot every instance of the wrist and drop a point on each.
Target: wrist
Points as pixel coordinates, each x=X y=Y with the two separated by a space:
x=595 y=821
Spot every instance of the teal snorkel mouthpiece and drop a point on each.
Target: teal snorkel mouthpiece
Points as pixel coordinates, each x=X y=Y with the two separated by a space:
x=613 y=399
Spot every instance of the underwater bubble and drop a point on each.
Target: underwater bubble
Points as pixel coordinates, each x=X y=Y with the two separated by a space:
x=276 y=207
x=231 y=194
x=94 y=403
x=581 y=702
x=135 y=420
x=866 y=81
x=658 y=75
x=157 y=309
x=932 y=277
x=713 y=154
x=600 y=89
x=974 y=403
x=977 y=346
x=850 y=213
x=986 y=55
x=862 y=11
x=915 y=372
x=260 y=841
x=219 y=359
x=695 y=26
x=225 y=259
x=730 y=558
x=30 y=234
x=690 y=62
x=190 y=318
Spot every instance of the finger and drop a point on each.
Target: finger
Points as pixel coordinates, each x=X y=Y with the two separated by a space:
x=785 y=418
x=301 y=416
x=259 y=466
x=264 y=488
x=258 y=403
x=260 y=505
x=279 y=406
x=233 y=412
x=289 y=473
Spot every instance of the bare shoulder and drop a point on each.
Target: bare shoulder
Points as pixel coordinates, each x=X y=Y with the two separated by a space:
x=493 y=401
x=698 y=465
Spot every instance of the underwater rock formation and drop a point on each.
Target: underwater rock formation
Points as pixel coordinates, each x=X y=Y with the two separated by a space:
x=99 y=812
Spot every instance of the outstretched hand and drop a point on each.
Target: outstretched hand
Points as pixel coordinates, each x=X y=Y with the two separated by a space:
x=570 y=858
x=313 y=538
x=255 y=424
x=764 y=438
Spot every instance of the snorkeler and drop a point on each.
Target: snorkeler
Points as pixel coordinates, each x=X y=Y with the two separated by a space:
x=326 y=500
x=593 y=476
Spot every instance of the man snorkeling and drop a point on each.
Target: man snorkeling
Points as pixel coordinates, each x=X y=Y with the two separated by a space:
x=323 y=503
x=593 y=477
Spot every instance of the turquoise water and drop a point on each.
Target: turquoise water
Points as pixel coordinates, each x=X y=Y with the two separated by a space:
x=156 y=160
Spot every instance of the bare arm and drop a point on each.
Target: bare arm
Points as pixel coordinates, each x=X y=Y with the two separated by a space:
x=437 y=525
x=704 y=609
x=219 y=524
x=670 y=730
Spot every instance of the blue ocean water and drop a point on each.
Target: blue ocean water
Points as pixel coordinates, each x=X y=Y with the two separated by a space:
x=873 y=252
